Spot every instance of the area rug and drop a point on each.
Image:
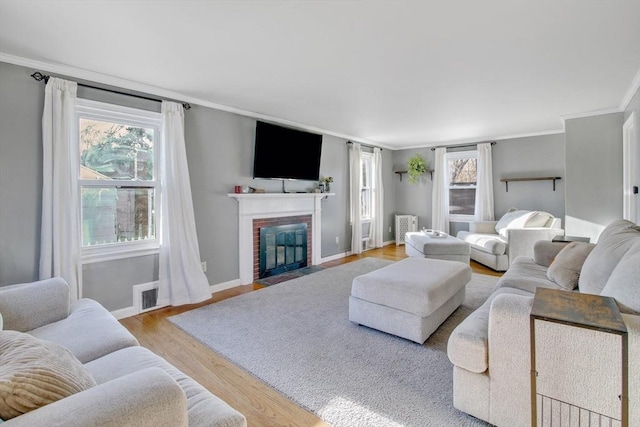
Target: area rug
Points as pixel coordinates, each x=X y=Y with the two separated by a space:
x=297 y=338
x=289 y=275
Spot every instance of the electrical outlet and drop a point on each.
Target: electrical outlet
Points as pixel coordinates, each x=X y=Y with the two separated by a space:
x=204 y=266
x=337 y=240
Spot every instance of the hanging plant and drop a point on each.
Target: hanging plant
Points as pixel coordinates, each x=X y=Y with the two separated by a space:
x=415 y=168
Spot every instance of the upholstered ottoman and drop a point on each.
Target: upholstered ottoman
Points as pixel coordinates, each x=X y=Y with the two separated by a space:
x=409 y=298
x=428 y=245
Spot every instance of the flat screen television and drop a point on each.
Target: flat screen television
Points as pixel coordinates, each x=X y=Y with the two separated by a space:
x=285 y=153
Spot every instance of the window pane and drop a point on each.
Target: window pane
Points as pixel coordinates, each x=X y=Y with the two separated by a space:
x=463 y=172
x=462 y=201
x=365 y=203
x=111 y=215
x=115 y=151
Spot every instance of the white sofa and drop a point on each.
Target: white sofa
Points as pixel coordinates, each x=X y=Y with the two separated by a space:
x=490 y=349
x=497 y=243
x=131 y=385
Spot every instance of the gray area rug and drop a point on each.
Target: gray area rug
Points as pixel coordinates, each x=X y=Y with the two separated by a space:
x=297 y=338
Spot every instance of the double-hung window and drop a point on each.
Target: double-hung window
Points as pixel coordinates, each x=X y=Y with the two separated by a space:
x=463 y=177
x=119 y=180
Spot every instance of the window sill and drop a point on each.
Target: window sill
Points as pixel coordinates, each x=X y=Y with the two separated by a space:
x=119 y=251
x=462 y=218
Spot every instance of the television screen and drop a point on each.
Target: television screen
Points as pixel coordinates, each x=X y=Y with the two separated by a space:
x=285 y=153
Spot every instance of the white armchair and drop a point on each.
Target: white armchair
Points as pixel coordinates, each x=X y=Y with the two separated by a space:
x=497 y=243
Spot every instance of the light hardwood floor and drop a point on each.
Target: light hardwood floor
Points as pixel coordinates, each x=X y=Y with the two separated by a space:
x=262 y=405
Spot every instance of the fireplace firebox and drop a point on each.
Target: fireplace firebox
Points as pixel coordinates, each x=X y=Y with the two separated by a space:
x=282 y=248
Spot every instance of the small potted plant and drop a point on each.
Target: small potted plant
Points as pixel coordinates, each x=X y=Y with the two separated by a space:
x=327 y=180
x=415 y=168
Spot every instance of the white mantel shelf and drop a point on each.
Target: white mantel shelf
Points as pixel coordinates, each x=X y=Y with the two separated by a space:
x=271 y=205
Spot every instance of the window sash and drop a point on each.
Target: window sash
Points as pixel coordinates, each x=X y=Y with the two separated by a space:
x=472 y=154
x=93 y=110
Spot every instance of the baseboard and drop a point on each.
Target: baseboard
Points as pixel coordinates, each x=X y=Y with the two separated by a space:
x=132 y=311
x=124 y=313
x=334 y=257
x=225 y=285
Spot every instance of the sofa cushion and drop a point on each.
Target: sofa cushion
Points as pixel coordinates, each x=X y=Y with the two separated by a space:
x=468 y=345
x=526 y=275
x=89 y=332
x=565 y=268
x=204 y=408
x=34 y=373
x=614 y=241
x=624 y=283
x=490 y=243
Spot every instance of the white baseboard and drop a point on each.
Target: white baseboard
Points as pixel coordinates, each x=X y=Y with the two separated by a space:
x=124 y=312
x=225 y=285
x=133 y=311
x=334 y=257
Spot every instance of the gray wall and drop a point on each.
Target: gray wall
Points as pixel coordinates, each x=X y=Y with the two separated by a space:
x=634 y=106
x=220 y=155
x=413 y=199
x=594 y=174
x=516 y=157
x=535 y=156
x=21 y=100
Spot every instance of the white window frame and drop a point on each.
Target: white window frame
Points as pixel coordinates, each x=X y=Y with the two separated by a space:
x=469 y=154
x=366 y=160
x=101 y=111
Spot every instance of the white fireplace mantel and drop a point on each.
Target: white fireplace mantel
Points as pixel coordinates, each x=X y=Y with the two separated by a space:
x=271 y=205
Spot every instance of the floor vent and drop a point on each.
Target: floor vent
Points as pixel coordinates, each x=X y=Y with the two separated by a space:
x=149 y=298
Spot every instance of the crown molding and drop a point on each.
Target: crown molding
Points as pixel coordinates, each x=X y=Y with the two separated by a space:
x=590 y=114
x=478 y=140
x=92 y=76
x=635 y=85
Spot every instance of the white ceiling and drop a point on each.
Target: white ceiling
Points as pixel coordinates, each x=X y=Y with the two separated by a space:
x=395 y=73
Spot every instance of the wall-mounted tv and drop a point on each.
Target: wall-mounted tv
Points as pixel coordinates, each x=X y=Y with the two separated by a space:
x=285 y=153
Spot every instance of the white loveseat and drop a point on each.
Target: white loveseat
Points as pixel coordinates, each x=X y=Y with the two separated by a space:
x=127 y=384
x=490 y=349
x=497 y=243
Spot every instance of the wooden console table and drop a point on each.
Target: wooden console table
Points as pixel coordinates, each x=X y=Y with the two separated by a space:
x=580 y=333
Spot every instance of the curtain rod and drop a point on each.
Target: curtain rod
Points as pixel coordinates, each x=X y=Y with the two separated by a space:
x=456 y=146
x=365 y=145
x=39 y=77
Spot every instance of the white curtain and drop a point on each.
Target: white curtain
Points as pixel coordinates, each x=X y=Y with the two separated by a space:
x=355 y=178
x=60 y=228
x=376 y=236
x=484 y=188
x=181 y=278
x=440 y=192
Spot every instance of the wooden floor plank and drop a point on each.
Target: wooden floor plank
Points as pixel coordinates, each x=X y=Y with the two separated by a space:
x=262 y=405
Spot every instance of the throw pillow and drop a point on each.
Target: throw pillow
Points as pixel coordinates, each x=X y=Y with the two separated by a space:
x=513 y=219
x=565 y=268
x=624 y=283
x=35 y=372
x=538 y=219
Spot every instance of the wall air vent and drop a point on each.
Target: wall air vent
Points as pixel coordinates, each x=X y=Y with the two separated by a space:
x=149 y=298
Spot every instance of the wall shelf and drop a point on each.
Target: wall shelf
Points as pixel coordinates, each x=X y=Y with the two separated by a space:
x=543 y=178
x=403 y=172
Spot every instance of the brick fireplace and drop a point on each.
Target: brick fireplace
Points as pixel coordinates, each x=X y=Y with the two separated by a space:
x=265 y=207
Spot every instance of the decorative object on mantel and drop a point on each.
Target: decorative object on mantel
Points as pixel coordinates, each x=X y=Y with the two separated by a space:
x=325 y=184
x=542 y=178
